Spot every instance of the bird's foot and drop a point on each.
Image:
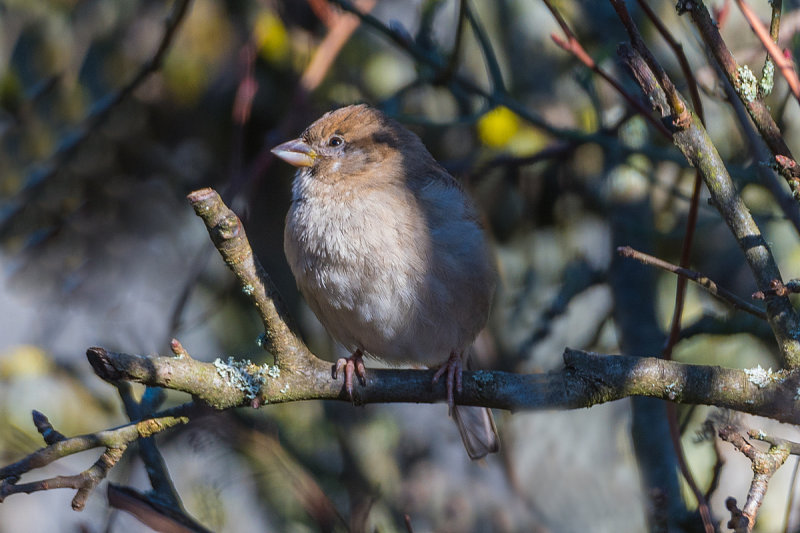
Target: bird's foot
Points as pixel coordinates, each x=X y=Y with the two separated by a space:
x=452 y=367
x=353 y=365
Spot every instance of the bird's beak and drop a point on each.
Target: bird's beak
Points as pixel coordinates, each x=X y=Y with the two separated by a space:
x=296 y=152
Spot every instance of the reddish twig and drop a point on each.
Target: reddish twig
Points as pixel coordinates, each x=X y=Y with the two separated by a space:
x=341 y=26
x=778 y=288
x=744 y=82
x=324 y=12
x=573 y=46
x=781 y=61
x=721 y=13
x=242 y=108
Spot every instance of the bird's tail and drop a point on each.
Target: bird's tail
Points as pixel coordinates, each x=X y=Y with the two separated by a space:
x=476 y=425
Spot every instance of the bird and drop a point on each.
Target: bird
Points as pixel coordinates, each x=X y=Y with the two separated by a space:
x=390 y=253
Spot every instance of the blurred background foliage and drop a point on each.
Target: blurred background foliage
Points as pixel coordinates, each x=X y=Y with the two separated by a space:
x=98 y=247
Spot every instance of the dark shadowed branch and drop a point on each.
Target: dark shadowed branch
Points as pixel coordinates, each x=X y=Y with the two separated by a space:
x=765 y=464
x=42 y=174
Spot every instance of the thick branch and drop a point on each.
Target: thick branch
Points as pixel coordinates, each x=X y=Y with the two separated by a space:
x=746 y=87
x=227 y=234
x=698 y=149
x=587 y=379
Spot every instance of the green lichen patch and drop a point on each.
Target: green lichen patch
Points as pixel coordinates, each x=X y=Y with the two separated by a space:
x=748 y=84
x=767 y=78
x=244 y=375
x=761 y=377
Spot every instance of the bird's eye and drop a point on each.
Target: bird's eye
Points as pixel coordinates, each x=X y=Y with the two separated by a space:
x=335 y=141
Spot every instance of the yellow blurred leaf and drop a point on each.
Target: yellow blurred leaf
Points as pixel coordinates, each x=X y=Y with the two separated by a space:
x=527 y=141
x=497 y=127
x=24 y=360
x=271 y=37
x=10 y=91
x=587 y=119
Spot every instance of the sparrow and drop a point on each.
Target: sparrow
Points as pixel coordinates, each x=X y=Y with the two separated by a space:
x=389 y=253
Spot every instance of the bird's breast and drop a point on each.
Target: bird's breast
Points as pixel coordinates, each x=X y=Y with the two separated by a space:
x=355 y=247
x=384 y=276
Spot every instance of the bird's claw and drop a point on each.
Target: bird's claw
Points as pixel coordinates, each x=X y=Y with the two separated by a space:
x=452 y=367
x=353 y=365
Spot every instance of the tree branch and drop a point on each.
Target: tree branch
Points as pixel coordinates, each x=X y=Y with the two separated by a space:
x=227 y=234
x=769 y=42
x=765 y=464
x=587 y=379
x=694 y=143
x=709 y=285
x=115 y=441
x=746 y=87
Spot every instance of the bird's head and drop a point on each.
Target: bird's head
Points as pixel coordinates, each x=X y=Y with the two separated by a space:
x=355 y=143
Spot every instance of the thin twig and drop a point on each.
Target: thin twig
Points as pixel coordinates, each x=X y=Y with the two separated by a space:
x=691 y=219
x=791 y=497
x=151 y=512
x=452 y=61
x=794 y=447
x=765 y=464
x=683 y=61
x=115 y=441
x=761 y=152
x=438 y=64
x=709 y=285
x=573 y=46
x=767 y=82
x=488 y=52
x=783 y=63
x=41 y=175
x=160 y=481
x=46 y=429
x=778 y=288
